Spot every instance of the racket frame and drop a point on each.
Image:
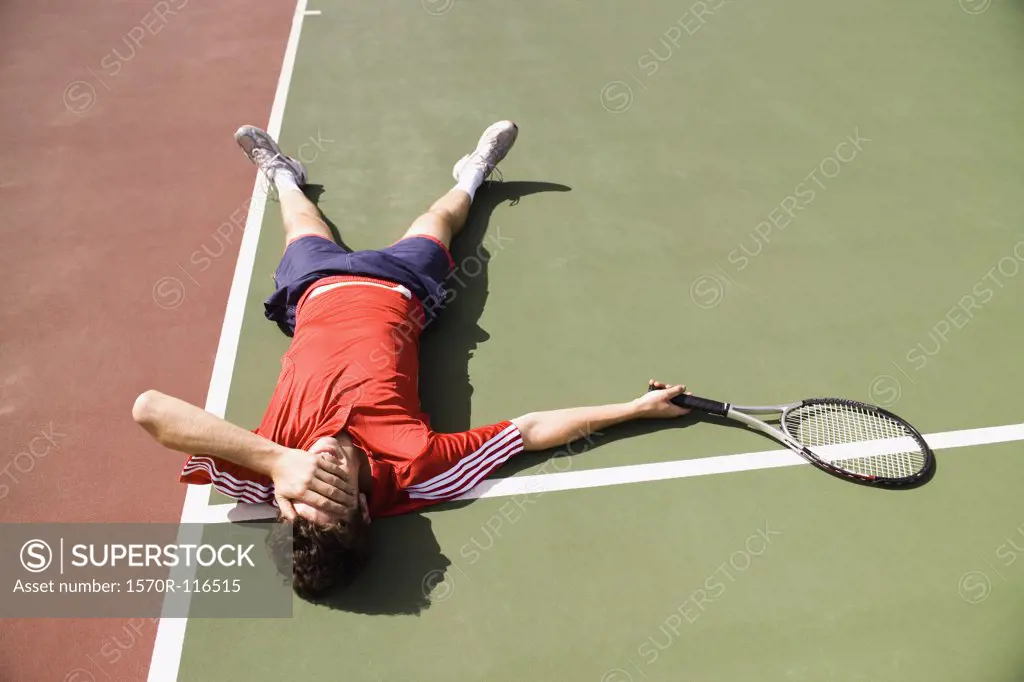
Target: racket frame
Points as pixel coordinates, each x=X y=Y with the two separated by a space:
x=743 y=414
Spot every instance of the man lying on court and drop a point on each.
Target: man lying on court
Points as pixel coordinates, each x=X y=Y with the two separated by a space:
x=347 y=391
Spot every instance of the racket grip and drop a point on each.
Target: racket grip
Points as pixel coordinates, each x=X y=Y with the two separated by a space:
x=693 y=402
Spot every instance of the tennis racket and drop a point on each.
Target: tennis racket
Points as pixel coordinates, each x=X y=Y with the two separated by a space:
x=849 y=439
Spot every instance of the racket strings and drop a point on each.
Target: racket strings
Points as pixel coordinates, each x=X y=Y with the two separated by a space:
x=817 y=425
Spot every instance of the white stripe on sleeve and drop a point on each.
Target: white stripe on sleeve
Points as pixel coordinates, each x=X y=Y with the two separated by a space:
x=471 y=469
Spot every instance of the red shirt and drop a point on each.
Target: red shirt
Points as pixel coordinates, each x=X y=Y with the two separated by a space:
x=354 y=365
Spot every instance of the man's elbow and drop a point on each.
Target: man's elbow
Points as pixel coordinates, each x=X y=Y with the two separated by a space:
x=144 y=409
x=528 y=427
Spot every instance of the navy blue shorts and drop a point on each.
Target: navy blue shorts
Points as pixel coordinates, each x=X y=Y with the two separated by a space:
x=420 y=263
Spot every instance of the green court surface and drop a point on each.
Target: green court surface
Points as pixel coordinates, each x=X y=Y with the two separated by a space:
x=664 y=229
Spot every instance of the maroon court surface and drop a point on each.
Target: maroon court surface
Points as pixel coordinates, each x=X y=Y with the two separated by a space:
x=120 y=192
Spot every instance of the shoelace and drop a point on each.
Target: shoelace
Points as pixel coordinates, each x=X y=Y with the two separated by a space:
x=264 y=168
x=491 y=172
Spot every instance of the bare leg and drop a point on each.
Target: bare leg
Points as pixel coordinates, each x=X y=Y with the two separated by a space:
x=301 y=217
x=444 y=219
x=447 y=216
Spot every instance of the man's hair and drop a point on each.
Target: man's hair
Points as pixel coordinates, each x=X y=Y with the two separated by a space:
x=322 y=557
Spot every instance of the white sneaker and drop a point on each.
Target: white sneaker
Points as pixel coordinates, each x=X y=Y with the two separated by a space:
x=264 y=152
x=493 y=146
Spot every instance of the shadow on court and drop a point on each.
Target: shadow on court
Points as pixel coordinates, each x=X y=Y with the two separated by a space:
x=406 y=565
x=314 y=193
x=447 y=345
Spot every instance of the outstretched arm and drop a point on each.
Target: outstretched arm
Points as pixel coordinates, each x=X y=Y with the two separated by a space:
x=543 y=430
x=318 y=481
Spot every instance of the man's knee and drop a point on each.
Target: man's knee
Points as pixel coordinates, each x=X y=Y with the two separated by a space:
x=436 y=218
x=431 y=225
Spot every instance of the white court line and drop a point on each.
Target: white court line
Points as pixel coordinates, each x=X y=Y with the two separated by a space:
x=637 y=473
x=170 y=634
x=312 y=13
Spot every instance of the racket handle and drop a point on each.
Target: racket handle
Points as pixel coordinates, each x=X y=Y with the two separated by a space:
x=693 y=402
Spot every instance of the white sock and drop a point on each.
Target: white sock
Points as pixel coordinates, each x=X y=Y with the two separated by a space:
x=284 y=179
x=470 y=181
